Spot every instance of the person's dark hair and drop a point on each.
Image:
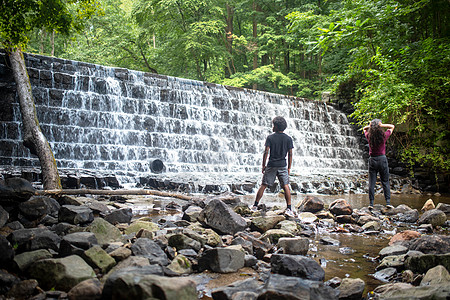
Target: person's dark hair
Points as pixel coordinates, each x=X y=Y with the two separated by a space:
x=279 y=124
x=376 y=134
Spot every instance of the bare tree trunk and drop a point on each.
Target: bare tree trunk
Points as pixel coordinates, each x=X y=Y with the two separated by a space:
x=53 y=43
x=33 y=138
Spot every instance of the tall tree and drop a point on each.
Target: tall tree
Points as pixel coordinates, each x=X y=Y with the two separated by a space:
x=17 y=20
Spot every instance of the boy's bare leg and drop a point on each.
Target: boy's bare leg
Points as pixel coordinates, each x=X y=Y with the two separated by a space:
x=287 y=194
x=260 y=193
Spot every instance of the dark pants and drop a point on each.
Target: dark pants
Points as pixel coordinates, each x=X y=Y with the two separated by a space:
x=379 y=164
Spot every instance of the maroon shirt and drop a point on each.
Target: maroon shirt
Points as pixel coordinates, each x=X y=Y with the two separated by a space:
x=381 y=149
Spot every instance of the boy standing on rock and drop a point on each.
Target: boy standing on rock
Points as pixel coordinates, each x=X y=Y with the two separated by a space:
x=278 y=145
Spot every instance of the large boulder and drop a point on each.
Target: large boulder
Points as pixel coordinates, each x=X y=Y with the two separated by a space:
x=431 y=244
x=105 y=232
x=77 y=243
x=417 y=293
x=340 y=207
x=61 y=273
x=262 y=224
x=29 y=239
x=38 y=207
x=122 y=215
x=15 y=189
x=423 y=263
x=298 y=266
x=310 y=204
x=223 y=260
x=138 y=284
x=222 y=218
x=151 y=250
x=26 y=259
x=434 y=217
x=89 y=289
x=404 y=236
x=260 y=248
x=351 y=289
x=295 y=245
x=436 y=276
x=75 y=214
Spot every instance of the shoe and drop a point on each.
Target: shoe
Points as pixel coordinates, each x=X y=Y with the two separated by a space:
x=254 y=208
x=370 y=207
x=288 y=212
x=389 y=206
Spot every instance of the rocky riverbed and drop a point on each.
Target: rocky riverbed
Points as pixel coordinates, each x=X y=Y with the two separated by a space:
x=214 y=246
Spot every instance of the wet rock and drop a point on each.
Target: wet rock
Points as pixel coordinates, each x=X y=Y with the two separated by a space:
x=372 y=226
x=251 y=286
x=246 y=245
x=340 y=207
x=289 y=226
x=180 y=265
x=262 y=224
x=38 y=207
x=284 y=287
x=422 y=263
x=434 y=217
x=181 y=241
x=76 y=243
x=205 y=236
x=7 y=252
x=26 y=259
x=24 y=289
x=86 y=290
x=296 y=265
x=295 y=245
x=122 y=215
x=310 y=204
x=365 y=219
x=96 y=257
x=223 y=260
x=16 y=189
x=61 y=273
x=326 y=240
x=105 y=232
x=136 y=284
x=351 y=289
x=393 y=250
x=407 y=276
x=260 y=248
x=273 y=235
x=425 y=228
x=151 y=250
x=29 y=239
x=4 y=216
x=75 y=214
x=385 y=275
x=444 y=207
x=345 y=219
x=428 y=205
x=307 y=217
x=431 y=244
x=97 y=207
x=386 y=289
x=401 y=209
x=222 y=218
x=436 y=276
x=403 y=236
x=141 y=224
x=408 y=217
x=393 y=261
x=191 y=213
x=416 y=293
x=120 y=254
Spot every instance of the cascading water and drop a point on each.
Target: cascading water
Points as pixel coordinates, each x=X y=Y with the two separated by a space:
x=116 y=120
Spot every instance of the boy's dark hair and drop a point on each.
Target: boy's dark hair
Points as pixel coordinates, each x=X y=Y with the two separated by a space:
x=279 y=124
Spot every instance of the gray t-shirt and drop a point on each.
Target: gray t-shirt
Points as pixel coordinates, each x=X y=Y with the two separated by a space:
x=279 y=144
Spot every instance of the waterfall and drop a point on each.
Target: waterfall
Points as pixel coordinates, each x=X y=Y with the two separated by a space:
x=116 y=120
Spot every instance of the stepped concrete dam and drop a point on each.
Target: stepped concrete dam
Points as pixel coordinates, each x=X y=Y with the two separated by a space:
x=149 y=129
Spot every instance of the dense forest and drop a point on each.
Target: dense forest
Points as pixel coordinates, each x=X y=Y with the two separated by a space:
x=388 y=59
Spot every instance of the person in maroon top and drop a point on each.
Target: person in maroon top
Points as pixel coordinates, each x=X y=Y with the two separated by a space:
x=378 y=163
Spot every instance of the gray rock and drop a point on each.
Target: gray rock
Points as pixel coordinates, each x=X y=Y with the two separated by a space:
x=326 y=240
x=26 y=259
x=180 y=265
x=296 y=245
x=7 y=252
x=264 y=223
x=272 y=236
x=421 y=264
x=86 y=290
x=431 y=244
x=351 y=289
x=191 y=213
x=395 y=249
x=372 y=226
x=29 y=239
x=120 y=253
x=385 y=275
x=436 y=276
x=393 y=261
x=4 y=216
x=444 y=207
x=151 y=250
x=234 y=290
x=181 y=241
x=296 y=265
x=222 y=260
x=135 y=284
x=16 y=189
x=122 y=215
x=7 y=280
x=75 y=214
x=222 y=218
x=260 y=248
x=417 y=293
x=38 y=207
x=136 y=262
x=61 y=273
x=25 y=289
x=76 y=243
x=434 y=217
x=294 y=288
x=408 y=217
x=250 y=261
x=365 y=219
x=246 y=245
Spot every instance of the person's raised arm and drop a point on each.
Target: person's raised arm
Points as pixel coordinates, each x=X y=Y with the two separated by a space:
x=388 y=126
x=366 y=128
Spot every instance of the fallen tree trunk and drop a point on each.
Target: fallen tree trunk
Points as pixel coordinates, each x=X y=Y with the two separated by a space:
x=112 y=193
